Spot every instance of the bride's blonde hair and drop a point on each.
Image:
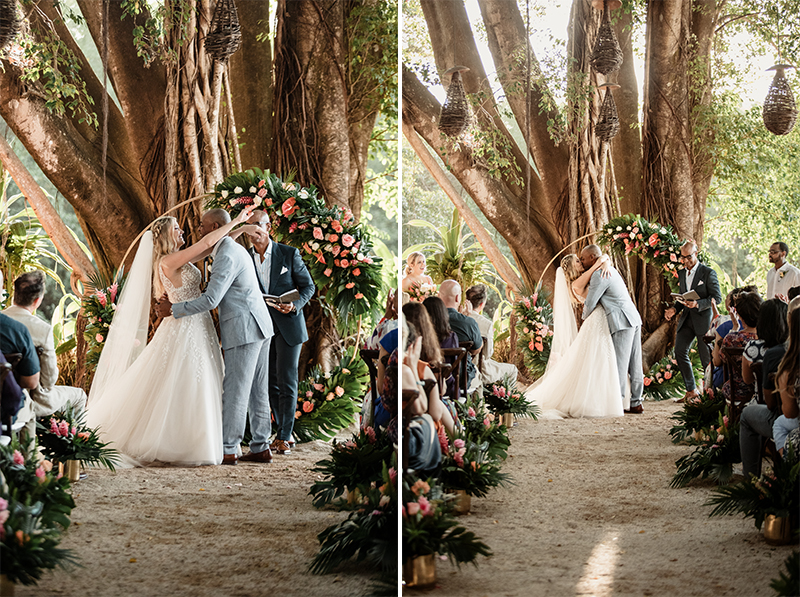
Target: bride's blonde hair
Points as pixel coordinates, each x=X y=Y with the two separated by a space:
x=569 y=263
x=163 y=244
x=412 y=260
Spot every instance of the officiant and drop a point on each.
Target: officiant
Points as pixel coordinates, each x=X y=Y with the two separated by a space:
x=280 y=269
x=695 y=315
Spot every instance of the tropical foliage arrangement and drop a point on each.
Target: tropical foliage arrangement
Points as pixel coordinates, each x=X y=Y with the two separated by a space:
x=775 y=492
x=358 y=461
x=698 y=413
x=336 y=250
x=534 y=332
x=430 y=528
x=658 y=245
x=64 y=436
x=482 y=427
x=98 y=309
x=34 y=511
x=505 y=398
x=369 y=534
x=328 y=403
x=716 y=450
x=466 y=465
x=664 y=379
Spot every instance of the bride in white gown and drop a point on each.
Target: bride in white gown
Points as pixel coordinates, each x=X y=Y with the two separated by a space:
x=162 y=401
x=581 y=379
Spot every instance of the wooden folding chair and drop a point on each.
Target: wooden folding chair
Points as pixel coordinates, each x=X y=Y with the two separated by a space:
x=733 y=360
x=370 y=356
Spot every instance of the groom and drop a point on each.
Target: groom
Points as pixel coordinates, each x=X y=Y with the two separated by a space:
x=246 y=329
x=624 y=323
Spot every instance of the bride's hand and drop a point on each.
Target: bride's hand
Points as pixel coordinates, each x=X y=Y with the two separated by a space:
x=605 y=265
x=244 y=214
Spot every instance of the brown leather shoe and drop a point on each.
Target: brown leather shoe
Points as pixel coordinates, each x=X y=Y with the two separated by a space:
x=281 y=447
x=635 y=410
x=265 y=456
x=231 y=459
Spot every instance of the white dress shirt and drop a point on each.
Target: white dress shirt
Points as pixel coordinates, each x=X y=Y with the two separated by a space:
x=690 y=275
x=780 y=280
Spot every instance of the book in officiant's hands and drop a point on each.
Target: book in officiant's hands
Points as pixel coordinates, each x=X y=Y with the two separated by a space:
x=686 y=296
x=286 y=297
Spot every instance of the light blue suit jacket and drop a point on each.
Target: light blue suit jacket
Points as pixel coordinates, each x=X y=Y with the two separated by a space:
x=612 y=293
x=233 y=287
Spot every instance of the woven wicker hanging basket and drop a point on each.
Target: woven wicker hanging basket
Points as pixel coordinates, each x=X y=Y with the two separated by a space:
x=780 y=111
x=607 y=125
x=225 y=35
x=606 y=54
x=456 y=115
x=9 y=22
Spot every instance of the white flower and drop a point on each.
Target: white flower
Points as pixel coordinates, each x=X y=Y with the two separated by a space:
x=315 y=221
x=253 y=189
x=232 y=201
x=360 y=257
x=328 y=247
x=303 y=194
x=224 y=194
x=238 y=190
x=256 y=200
x=113 y=306
x=628 y=228
x=619 y=228
x=315 y=246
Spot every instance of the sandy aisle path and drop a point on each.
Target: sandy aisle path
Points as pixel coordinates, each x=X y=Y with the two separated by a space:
x=592 y=513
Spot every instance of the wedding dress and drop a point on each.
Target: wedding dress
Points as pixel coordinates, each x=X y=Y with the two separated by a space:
x=581 y=378
x=163 y=401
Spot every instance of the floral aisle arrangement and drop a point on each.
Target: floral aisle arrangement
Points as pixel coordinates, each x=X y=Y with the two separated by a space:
x=419 y=292
x=504 y=398
x=788 y=583
x=34 y=511
x=351 y=464
x=429 y=527
x=64 y=436
x=369 y=535
x=656 y=244
x=775 y=492
x=98 y=308
x=534 y=332
x=664 y=379
x=716 y=450
x=328 y=403
x=482 y=428
x=467 y=466
x=336 y=250
x=698 y=413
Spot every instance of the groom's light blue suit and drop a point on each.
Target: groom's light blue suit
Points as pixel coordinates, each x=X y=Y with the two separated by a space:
x=246 y=329
x=625 y=326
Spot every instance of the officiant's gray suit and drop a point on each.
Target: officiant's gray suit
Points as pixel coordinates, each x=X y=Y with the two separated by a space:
x=625 y=326
x=246 y=329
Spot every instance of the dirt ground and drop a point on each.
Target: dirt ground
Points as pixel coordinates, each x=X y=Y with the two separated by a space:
x=216 y=531
x=592 y=513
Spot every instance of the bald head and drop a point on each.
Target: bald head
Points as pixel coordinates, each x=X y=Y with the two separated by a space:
x=589 y=255
x=217 y=216
x=450 y=293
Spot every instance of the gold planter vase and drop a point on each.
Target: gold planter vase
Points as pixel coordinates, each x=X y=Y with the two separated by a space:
x=507 y=419
x=6 y=586
x=71 y=469
x=420 y=571
x=462 y=503
x=778 y=530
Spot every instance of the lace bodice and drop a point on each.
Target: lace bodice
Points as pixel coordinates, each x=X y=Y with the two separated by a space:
x=190 y=277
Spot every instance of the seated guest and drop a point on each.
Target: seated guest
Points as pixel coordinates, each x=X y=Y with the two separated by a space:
x=11 y=397
x=387 y=323
x=492 y=371
x=417 y=318
x=722 y=326
x=757 y=420
x=447 y=338
x=47 y=396
x=745 y=306
x=15 y=339
x=465 y=327
x=794 y=292
x=771 y=331
x=786 y=380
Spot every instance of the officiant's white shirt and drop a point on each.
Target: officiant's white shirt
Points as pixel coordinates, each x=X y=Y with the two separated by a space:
x=263 y=267
x=690 y=275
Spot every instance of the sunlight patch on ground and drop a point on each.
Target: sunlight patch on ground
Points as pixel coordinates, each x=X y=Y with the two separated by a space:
x=598 y=573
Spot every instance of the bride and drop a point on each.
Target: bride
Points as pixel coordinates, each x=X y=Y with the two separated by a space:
x=162 y=401
x=581 y=379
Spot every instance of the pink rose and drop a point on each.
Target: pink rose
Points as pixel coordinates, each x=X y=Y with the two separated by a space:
x=98 y=338
x=672 y=257
x=459 y=443
x=262 y=191
x=470 y=412
x=359 y=295
x=318 y=233
x=340 y=392
x=348 y=240
x=309 y=394
x=668 y=375
x=350 y=285
x=40 y=474
x=344 y=263
x=425 y=506
x=319 y=387
x=18 y=458
x=356 y=272
x=328 y=272
x=647 y=381
x=412 y=508
x=486 y=422
x=337 y=226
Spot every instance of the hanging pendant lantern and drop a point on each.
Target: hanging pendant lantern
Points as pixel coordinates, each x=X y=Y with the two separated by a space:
x=9 y=22
x=225 y=34
x=607 y=125
x=606 y=55
x=456 y=115
x=780 y=111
